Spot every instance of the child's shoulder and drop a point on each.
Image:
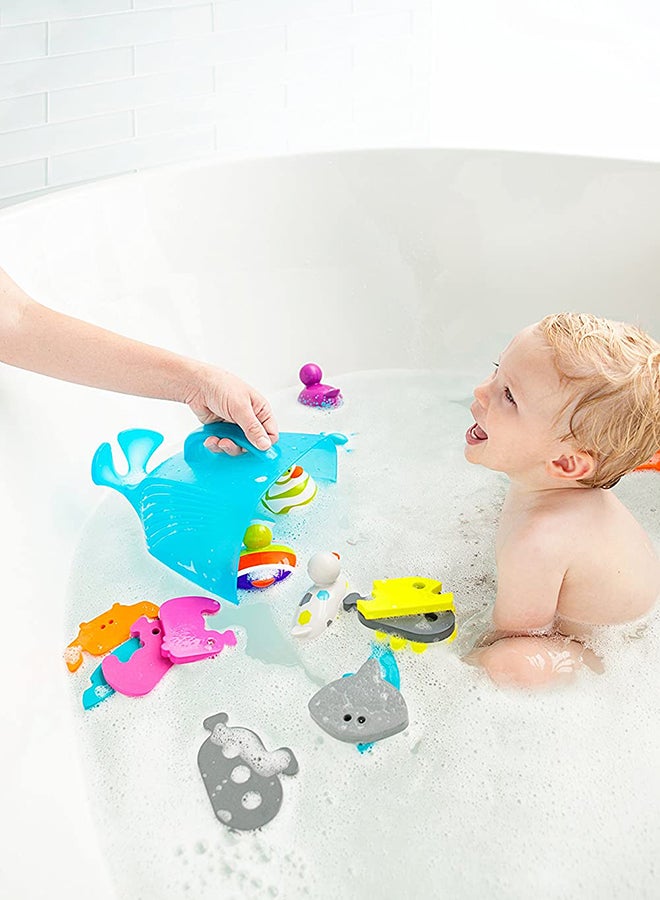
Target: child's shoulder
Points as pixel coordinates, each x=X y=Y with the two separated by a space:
x=553 y=527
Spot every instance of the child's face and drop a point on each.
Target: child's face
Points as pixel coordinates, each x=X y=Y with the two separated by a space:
x=514 y=410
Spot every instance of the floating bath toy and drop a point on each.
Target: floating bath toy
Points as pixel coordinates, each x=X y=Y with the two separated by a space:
x=428 y=629
x=185 y=636
x=360 y=708
x=262 y=564
x=653 y=463
x=388 y=665
x=196 y=506
x=107 y=631
x=419 y=630
x=293 y=490
x=146 y=666
x=316 y=394
x=100 y=690
x=404 y=610
x=404 y=597
x=323 y=598
x=241 y=776
x=390 y=673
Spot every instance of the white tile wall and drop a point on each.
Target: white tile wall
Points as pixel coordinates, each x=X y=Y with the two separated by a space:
x=90 y=88
x=23 y=42
x=129 y=29
x=23 y=112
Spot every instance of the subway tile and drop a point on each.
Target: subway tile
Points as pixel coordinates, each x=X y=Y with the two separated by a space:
x=128 y=93
x=27 y=176
x=327 y=133
x=379 y=6
x=333 y=62
x=385 y=111
x=383 y=71
x=320 y=92
x=178 y=115
x=49 y=140
x=128 y=29
x=245 y=13
x=161 y=4
x=130 y=155
x=23 y=112
x=22 y=42
x=225 y=105
x=385 y=55
x=208 y=49
x=374 y=92
x=336 y=115
x=18 y=12
x=55 y=72
x=251 y=100
x=253 y=135
x=308 y=34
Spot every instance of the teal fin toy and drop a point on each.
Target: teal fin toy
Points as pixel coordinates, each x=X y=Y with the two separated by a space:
x=195 y=506
x=100 y=690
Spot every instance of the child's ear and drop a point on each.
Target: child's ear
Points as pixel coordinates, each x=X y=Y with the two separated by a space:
x=572 y=466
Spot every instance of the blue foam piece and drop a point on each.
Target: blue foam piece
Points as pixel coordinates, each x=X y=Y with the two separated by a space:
x=100 y=690
x=390 y=669
x=195 y=506
x=391 y=674
x=388 y=664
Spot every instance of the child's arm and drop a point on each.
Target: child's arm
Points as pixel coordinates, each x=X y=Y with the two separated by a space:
x=42 y=340
x=522 y=650
x=530 y=570
x=528 y=586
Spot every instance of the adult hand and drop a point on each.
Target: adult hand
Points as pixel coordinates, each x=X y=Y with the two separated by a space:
x=219 y=396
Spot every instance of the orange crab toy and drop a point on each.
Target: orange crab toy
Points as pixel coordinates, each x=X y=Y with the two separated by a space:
x=653 y=463
x=106 y=631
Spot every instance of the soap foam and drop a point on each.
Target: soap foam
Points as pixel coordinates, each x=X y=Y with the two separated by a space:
x=488 y=792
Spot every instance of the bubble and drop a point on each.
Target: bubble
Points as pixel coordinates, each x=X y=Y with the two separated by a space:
x=240 y=774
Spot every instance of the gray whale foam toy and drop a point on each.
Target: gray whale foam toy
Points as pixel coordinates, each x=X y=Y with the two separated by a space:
x=360 y=708
x=241 y=776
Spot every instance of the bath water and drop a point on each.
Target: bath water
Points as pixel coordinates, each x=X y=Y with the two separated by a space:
x=488 y=792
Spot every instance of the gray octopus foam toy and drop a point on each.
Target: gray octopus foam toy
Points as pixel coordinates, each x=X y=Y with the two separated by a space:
x=241 y=776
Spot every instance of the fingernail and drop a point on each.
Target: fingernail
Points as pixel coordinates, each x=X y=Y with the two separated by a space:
x=263 y=443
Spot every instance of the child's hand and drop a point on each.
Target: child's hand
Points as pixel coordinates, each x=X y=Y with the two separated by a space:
x=219 y=396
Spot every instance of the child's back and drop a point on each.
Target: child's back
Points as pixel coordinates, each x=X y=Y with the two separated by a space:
x=612 y=572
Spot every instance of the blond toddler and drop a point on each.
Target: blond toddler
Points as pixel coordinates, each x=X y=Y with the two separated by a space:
x=572 y=406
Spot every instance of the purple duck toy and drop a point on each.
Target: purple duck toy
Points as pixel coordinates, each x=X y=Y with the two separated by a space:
x=316 y=394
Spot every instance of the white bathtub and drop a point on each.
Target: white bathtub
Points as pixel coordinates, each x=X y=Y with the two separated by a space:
x=410 y=259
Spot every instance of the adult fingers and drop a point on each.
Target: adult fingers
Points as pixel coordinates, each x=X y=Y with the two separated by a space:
x=265 y=415
x=254 y=430
x=223 y=445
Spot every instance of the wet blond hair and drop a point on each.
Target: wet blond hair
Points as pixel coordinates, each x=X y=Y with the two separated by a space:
x=612 y=372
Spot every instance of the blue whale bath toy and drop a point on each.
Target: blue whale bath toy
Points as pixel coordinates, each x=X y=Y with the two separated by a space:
x=196 y=506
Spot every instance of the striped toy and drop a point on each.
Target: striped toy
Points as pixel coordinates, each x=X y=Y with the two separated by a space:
x=292 y=490
x=262 y=564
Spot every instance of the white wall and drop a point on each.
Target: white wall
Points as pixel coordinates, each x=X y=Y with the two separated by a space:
x=91 y=88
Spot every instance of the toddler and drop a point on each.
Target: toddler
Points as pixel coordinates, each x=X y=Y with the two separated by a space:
x=35 y=337
x=572 y=406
